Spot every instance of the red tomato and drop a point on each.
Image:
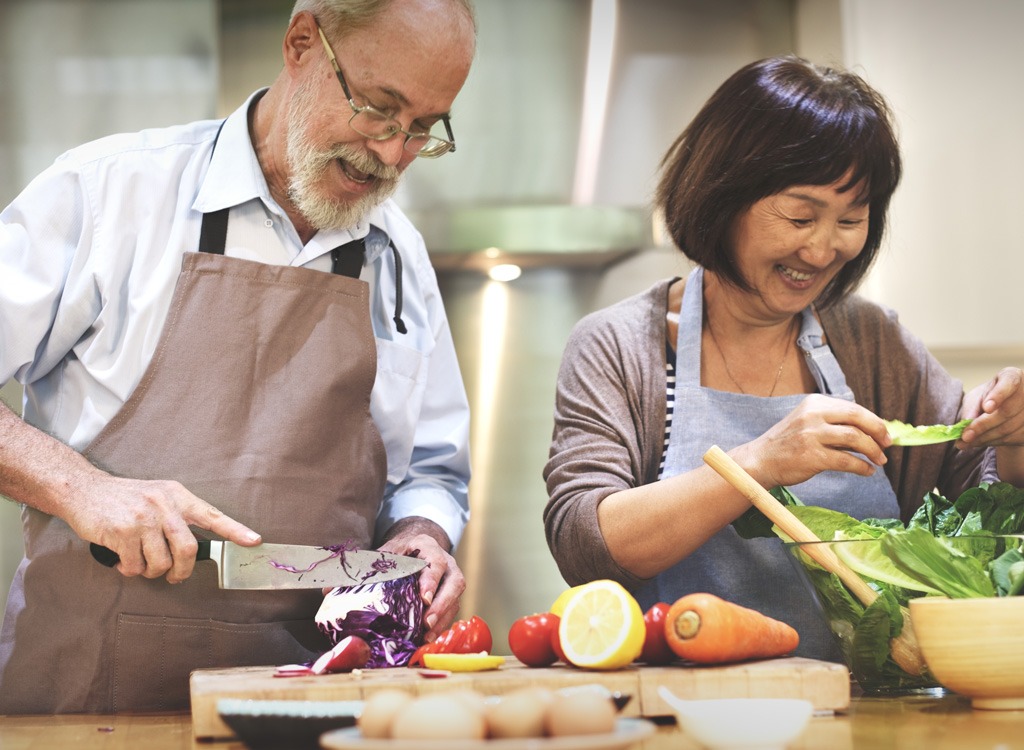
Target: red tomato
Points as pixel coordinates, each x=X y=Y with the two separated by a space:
x=529 y=638
x=656 y=648
x=556 y=642
x=466 y=637
x=417 y=657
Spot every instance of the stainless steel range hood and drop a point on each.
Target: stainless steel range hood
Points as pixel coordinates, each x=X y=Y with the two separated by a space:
x=477 y=238
x=530 y=124
x=563 y=121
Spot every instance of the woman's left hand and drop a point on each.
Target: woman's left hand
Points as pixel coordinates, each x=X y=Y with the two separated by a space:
x=997 y=408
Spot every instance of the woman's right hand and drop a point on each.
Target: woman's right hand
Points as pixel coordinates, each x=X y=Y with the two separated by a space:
x=821 y=434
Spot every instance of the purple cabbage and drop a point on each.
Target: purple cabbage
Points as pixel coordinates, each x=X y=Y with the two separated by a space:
x=388 y=615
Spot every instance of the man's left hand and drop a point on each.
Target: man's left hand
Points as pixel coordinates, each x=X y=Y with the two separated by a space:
x=441 y=582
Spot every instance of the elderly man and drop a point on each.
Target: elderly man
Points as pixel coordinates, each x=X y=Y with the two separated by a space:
x=227 y=327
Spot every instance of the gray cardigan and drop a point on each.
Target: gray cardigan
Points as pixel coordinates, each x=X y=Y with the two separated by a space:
x=610 y=416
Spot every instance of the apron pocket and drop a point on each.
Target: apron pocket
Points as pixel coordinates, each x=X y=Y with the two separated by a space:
x=153 y=656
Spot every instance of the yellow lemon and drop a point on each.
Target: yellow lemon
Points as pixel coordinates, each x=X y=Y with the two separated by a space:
x=462 y=662
x=559 y=606
x=602 y=626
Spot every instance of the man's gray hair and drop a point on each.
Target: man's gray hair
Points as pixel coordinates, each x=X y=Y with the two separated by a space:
x=346 y=15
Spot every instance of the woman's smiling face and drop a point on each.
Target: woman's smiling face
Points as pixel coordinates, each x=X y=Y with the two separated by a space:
x=790 y=245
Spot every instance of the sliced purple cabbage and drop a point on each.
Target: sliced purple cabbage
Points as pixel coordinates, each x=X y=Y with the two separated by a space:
x=388 y=615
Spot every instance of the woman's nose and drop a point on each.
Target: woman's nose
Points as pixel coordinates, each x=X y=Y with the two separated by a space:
x=822 y=246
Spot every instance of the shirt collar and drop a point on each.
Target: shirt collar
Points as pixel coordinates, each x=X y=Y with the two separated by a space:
x=234 y=176
x=369 y=228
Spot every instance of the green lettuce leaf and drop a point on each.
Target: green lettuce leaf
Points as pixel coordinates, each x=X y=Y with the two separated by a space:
x=941 y=566
x=1008 y=572
x=905 y=434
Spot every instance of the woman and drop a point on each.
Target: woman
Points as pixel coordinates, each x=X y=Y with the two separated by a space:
x=778 y=192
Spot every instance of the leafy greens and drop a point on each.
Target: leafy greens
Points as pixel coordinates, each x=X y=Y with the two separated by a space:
x=906 y=434
x=970 y=547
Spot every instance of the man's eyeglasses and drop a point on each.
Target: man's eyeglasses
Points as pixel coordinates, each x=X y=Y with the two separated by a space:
x=378 y=126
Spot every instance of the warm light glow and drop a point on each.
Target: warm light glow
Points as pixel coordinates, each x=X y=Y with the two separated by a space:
x=493 y=319
x=505 y=272
x=596 y=87
x=492 y=252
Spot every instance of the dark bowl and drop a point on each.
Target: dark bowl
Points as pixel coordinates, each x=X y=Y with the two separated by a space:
x=267 y=724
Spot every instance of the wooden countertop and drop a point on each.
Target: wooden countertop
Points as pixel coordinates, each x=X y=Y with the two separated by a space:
x=945 y=723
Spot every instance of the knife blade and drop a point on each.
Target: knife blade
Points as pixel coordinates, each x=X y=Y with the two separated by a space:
x=291 y=566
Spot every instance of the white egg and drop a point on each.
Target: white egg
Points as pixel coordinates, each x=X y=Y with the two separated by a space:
x=380 y=710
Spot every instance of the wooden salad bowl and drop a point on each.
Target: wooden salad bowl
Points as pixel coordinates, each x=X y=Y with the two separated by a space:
x=973 y=647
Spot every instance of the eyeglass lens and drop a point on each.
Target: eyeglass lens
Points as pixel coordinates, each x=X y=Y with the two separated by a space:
x=374 y=124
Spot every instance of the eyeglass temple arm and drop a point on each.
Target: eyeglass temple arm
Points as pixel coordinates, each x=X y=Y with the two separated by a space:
x=448 y=130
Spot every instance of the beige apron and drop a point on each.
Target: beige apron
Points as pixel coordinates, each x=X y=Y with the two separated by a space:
x=257 y=399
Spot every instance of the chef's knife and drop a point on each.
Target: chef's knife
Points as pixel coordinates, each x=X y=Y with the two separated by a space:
x=291 y=566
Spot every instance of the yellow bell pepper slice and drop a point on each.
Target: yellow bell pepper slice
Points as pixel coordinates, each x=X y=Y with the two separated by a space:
x=463 y=662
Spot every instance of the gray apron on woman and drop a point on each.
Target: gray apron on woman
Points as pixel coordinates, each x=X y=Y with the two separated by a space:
x=755 y=573
x=257 y=400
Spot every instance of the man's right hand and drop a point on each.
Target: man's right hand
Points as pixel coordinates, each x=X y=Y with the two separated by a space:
x=147 y=524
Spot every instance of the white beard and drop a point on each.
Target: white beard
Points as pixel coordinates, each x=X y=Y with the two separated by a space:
x=309 y=165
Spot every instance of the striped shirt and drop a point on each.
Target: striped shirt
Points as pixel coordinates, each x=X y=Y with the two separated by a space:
x=670 y=400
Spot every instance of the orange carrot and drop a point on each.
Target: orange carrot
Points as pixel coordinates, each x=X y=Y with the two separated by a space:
x=709 y=630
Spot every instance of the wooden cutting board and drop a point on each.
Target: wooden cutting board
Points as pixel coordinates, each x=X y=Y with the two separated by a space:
x=825 y=684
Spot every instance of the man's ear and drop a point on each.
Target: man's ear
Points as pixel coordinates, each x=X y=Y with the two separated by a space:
x=300 y=38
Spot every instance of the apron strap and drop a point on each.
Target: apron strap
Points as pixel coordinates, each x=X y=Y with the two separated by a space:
x=347 y=259
x=213 y=236
x=399 y=323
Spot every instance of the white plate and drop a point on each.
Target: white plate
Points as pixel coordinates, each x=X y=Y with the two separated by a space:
x=627 y=733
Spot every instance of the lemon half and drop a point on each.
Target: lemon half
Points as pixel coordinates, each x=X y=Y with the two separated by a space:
x=602 y=626
x=559 y=605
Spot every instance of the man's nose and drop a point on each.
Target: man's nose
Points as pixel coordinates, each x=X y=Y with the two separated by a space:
x=390 y=151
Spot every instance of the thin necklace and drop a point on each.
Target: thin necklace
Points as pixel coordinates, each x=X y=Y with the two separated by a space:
x=778 y=374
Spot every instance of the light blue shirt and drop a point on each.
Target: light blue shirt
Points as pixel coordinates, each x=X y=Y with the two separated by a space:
x=89 y=257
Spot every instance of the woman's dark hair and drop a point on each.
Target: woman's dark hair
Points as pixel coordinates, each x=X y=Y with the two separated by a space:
x=773 y=124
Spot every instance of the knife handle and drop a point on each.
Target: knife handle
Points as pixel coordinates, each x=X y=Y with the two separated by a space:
x=108 y=557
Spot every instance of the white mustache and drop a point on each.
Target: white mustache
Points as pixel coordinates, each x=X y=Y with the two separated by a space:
x=364 y=162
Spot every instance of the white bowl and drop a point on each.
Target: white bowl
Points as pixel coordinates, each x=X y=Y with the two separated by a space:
x=741 y=723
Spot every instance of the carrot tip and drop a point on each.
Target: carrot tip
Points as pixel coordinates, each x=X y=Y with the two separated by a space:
x=687 y=625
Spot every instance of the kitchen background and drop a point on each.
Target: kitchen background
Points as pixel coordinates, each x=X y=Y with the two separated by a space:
x=560 y=128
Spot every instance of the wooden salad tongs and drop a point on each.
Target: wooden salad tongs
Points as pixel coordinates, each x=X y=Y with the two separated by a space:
x=904 y=648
